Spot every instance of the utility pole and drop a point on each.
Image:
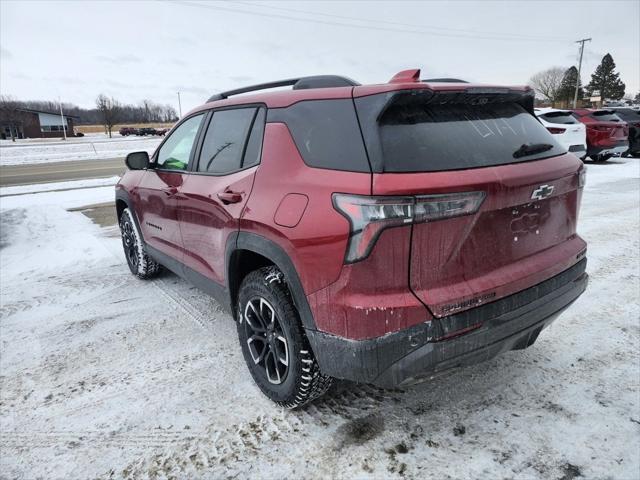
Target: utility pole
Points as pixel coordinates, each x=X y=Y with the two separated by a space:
x=64 y=125
x=575 y=95
x=179 y=105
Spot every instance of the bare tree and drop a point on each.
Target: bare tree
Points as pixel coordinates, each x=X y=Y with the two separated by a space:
x=548 y=82
x=170 y=114
x=110 y=111
x=12 y=115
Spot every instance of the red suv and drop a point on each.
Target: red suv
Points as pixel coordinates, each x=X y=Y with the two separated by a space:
x=376 y=233
x=607 y=134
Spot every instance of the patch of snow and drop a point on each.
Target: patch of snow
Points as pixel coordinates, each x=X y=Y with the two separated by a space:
x=85 y=148
x=53 y=186
x=107 y=376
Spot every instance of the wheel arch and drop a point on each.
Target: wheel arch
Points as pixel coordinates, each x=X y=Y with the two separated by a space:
x=122 y=201
x=248 y=252
x=121 y=205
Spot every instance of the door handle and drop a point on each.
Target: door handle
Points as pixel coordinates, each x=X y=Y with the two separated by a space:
x=170 y=190
x=230 y=197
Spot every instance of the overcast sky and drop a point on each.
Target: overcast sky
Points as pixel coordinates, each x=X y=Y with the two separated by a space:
x=137 y=50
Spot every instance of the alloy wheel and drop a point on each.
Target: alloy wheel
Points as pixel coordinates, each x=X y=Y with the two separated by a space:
x=129 y=243
x=266 y=340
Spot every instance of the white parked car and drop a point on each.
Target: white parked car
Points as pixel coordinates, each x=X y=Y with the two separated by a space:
x=569 y=131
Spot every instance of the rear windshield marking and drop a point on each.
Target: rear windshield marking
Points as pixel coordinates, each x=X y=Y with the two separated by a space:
x=508 y=126
x=473 y=124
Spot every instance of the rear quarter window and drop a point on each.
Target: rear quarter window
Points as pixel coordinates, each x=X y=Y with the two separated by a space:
x=326 y=133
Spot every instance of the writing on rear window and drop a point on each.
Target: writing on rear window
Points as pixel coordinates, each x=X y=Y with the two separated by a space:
x=418 y=136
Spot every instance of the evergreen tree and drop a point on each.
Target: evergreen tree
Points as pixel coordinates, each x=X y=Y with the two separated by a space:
x=568 y=87
x=606 y=80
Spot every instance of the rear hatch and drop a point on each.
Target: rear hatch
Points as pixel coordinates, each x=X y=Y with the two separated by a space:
x=607 y=129
x=568 y=130
x=515 y=190
x=632 y=117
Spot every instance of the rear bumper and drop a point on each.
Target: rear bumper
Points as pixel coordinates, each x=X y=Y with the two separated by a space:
x=617 y=149
x=407 y=356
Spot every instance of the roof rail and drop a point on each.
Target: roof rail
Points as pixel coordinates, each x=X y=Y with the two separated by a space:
x=302 y=83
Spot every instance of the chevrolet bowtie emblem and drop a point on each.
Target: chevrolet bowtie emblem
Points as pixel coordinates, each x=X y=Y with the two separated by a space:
x=543 y=191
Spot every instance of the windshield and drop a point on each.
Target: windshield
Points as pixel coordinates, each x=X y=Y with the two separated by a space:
x=423 y=137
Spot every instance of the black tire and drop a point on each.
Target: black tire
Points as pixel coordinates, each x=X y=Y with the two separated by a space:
x=600 y=158
x=140 y=264
x=273 y=342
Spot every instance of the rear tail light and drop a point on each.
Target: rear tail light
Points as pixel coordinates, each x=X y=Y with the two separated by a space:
x=369 y=216
x=582 y=177
x=600 y=128
x=556 y=130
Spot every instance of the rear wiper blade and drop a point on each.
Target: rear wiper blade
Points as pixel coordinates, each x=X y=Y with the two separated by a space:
x=531 y=149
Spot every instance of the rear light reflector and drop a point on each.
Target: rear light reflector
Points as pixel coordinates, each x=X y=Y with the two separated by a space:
x=369 y=216
x=556 y=130
x=457 y=333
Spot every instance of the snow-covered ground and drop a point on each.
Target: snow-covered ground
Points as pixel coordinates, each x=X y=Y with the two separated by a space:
x=53 y=186
x=90 y=147
x=106 y=376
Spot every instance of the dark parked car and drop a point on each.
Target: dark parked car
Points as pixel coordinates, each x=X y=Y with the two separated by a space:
x=632 y=117
x=375 y=233
x=146 y=131
x=607 y=134
x=125 y=131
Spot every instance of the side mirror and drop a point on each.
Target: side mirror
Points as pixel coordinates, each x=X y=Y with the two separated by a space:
x=137 y=161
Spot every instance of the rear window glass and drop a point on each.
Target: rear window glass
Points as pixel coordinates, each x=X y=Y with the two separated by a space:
x=562 y=118
x=628 y=114
x=605 y=116
x=422 y=137
x=326 y=133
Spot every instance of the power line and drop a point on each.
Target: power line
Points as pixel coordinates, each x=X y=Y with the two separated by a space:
x=351 y=25
x=428 y=27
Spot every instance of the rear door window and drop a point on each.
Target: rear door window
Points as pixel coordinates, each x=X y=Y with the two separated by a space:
x=561 y=118
x=417 y=136
x=224 y=141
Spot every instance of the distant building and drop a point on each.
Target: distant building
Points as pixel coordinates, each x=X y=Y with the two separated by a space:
x=27 y=123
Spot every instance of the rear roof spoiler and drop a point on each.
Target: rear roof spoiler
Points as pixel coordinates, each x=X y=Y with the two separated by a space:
x=302 y=83
x=469 y=95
